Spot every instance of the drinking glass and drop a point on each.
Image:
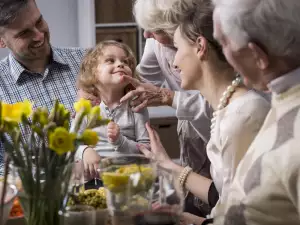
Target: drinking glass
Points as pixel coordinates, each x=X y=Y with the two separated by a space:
x=167 y=202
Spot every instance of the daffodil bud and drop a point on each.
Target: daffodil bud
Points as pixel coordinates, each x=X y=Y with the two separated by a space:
x=89 y=137
x=43 y=116
x=83 y=105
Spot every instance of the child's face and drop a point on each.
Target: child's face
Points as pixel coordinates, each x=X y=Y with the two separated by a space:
x=112 y=65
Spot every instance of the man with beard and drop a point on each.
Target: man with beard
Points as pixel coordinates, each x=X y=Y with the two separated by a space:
x=34 y=69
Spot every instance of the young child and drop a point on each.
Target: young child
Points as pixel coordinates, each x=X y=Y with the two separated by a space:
x=100 y=74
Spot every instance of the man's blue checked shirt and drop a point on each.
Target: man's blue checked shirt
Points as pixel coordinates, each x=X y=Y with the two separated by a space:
x=57 y=82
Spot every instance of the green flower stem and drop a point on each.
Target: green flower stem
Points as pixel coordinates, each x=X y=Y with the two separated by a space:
x=11 y=151
x=77 y=121
x=44 y=173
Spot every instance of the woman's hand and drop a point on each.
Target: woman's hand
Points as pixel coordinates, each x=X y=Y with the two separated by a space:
x=146 y=94
x=113 y=132
x=158 y=151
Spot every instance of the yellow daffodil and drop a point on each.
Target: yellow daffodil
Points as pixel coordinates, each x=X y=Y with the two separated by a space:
x=84 y=105
x=44 y=116
x=61 y=141
x=89 y=137
x=95 y=111
x=40 y=115
x=14 y=112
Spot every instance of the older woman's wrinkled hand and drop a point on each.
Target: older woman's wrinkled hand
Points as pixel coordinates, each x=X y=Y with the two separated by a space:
x=146 y=94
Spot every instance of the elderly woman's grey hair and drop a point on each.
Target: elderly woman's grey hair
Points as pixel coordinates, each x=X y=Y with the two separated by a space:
x=9 y=10
x=154 y=15
x=271 y=24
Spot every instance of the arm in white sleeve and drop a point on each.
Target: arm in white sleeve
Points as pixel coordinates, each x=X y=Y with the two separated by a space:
x=130 y=146
x=290 y=174
x=149 y=68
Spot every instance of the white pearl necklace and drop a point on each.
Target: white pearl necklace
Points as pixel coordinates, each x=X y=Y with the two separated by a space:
x=224 y=100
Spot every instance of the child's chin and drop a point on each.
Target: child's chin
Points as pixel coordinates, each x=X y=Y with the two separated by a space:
x=117 y=77
x=117 y=83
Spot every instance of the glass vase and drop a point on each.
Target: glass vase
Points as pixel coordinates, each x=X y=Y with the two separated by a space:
x=43 y=192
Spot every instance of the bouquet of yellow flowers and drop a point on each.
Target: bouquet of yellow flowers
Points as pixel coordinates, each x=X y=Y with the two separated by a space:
x=41 y=148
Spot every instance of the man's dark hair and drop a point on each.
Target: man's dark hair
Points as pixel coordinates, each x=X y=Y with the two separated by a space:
x=9 y=10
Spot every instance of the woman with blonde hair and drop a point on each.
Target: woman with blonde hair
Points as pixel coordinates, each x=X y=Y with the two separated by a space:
x=238 y=111
x=161 y=86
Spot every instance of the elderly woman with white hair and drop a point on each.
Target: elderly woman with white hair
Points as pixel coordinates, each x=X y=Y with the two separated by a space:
x=156 y=68
x=261 y=40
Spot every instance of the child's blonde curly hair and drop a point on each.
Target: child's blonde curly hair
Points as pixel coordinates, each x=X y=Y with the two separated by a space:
x=87 y=80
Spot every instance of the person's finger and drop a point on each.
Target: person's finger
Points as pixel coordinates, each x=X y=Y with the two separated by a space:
x=156 y=134
x=112 y=131
x=86 y=168
x=139 y=97
x=130 y=95
x=137 y=100
x=150 y=132
x=110 y=128
x=92 y=170
x=111 y=124
x=110 y=135
x=133 y=81
x=141 y=106
x=96 y=167
x=145 y=151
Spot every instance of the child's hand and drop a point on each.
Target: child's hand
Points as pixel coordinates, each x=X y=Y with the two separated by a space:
x=113 y=132
x=91 y=161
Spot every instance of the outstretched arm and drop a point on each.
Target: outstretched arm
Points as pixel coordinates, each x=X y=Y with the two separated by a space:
x=195 y=183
